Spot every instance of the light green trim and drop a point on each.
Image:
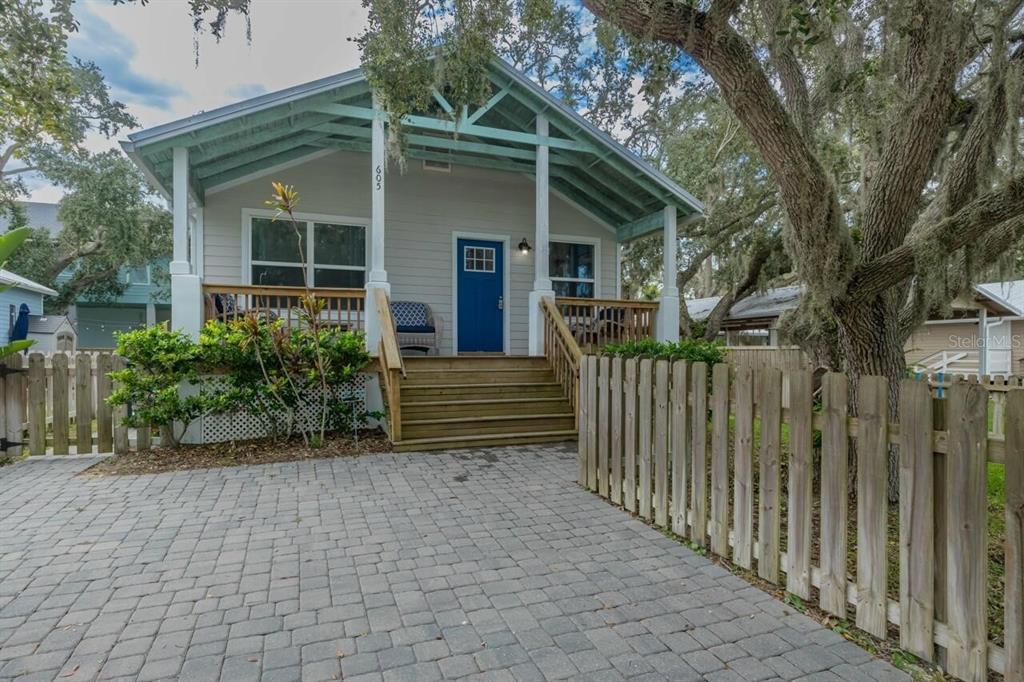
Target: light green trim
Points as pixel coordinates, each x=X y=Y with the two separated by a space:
x=439 y=98
x=462 y=128
x=593 y=194
x=256 y=166
x=249 y=121
x=641 y=227
x=497 y=97
x=216 y=168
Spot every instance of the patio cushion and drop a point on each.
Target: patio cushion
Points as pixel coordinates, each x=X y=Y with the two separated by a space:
x=414 y=329
x=410 y=314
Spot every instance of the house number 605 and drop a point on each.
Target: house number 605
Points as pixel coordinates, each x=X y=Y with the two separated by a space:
x=379 y=175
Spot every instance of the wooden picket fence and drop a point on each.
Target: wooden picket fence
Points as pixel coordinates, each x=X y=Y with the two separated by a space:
x=56 y=403
x=706 y=460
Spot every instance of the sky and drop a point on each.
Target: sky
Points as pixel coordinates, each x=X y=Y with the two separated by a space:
x=148 y=56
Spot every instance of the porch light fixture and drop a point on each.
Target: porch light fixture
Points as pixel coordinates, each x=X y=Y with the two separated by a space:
x=524 y=247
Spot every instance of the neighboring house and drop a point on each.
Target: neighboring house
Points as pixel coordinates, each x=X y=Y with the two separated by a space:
x=505 y=222
x=142 y=302
x=984 y=332
x=17 y=291
x=52 y=333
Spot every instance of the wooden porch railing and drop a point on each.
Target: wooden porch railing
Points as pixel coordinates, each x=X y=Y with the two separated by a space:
x=594 y=322
x=561 y=350
x=392 y=366
x=343 y=307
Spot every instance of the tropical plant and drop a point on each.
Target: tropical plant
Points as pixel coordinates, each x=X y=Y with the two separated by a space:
x=9 y=243
x=694 y=350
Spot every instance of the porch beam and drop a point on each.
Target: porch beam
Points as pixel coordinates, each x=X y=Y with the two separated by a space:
x=256 y=166
x=179 y=212
x=462 y=127
x=461 y=159
x=273 y=112
x=439 y=98
x=641 y=227
x=495 y=98
x=541 y=279
x=217 y=167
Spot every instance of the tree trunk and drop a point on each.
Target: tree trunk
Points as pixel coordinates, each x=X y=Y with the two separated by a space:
x=872 y=344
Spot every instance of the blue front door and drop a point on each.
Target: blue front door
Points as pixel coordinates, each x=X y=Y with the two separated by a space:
x=481 y=295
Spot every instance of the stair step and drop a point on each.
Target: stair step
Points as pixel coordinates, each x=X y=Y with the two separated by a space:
x=475 y=362
x=483 y=440
x=439 y=409
x=419 y=377
x=500 y=423
x=517 y=389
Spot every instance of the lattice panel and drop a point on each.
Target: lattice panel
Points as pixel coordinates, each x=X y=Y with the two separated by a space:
x=246 y=425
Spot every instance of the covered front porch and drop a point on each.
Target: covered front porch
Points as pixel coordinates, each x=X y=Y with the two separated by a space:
x=500 y=207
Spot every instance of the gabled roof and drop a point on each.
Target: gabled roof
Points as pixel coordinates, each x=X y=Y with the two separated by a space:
x=9 y=279
x=1009 y=295
x=768 y=304
x=586 y=166
x=47 y=324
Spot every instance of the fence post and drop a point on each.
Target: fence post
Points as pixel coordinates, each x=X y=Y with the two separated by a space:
x=917 y=520
x=120 y=413
x=680 y=446
x=629 y=434
x=591 y=399
x=14 y=387
x=720 y=459
x=1013 y=598
x=872 y=502
x=603 y=410
x=582 y=439
x=616 y=431
x=83 y=404
x=699 y=453
x=60 y=404
x=644 y=421
x=36 y=404
x=801 y=474
x=966 y=551
x=743 y=481
x=104 y=414
x=661 y=443
x=834 y=461
x=769 y=511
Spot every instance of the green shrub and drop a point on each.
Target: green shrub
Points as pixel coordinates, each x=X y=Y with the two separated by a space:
x=160 y=363
x=694 y=350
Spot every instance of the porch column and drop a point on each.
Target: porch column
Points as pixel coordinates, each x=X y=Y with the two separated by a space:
x=186 y=287
x=541 y=278
x=378 y=277
x=668 y=309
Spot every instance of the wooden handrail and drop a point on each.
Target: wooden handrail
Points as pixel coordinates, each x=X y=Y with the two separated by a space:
x=392 y=365
x=561 y=350
x=610 y=302
x=260 y=290
x=341 y=307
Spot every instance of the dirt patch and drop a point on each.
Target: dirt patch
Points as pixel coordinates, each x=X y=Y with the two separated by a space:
x=264 y=451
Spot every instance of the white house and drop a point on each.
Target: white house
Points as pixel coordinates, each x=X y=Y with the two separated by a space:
x=499 y=207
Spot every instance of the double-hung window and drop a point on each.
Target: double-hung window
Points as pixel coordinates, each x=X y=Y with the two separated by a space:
x=572 y=267
x=333 y=253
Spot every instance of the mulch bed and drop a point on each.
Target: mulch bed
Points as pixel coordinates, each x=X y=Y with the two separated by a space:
x=264 y=451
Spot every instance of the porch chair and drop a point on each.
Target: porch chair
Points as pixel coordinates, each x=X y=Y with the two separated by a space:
x=416 y=327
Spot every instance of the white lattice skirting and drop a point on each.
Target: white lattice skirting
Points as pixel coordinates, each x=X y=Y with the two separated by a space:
x=247 y=425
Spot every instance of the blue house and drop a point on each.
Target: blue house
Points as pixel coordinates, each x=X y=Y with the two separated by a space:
x=143 y=302
x=18 y=291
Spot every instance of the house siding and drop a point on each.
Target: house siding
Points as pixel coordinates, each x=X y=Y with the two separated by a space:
x=16 y=297
x=929 y=339
x=422 y=211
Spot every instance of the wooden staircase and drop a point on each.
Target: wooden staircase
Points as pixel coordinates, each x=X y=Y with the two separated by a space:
x=460 y=402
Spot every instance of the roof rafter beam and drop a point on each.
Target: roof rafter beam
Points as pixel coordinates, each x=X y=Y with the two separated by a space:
x=641 y=227
x=204 y=171
x=439 y=98
x=462 y=128
x=497 y=97
x=256 y=166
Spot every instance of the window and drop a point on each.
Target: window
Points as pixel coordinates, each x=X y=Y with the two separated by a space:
x=572 y=270
x=334 y=254
x=478 y=259
x=138 y=275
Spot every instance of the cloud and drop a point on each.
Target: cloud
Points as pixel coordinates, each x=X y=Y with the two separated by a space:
x=97 y=41
x=246 y=91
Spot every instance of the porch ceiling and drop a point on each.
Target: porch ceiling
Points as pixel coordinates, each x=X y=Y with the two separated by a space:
x=586 y=166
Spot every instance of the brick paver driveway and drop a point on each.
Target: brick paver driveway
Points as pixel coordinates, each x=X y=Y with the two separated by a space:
x=408 y=567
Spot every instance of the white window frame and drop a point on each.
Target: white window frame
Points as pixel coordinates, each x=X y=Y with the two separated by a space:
x=585 y=241
x=128 y=276
x=478 y=258
x=309 y=219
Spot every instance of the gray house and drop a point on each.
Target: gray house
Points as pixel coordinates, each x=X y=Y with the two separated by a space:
x=500 y=207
